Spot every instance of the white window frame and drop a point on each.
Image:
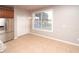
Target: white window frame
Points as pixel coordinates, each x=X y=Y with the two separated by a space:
x=37 y=29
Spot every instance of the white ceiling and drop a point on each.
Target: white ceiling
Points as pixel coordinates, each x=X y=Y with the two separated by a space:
x=32 y=7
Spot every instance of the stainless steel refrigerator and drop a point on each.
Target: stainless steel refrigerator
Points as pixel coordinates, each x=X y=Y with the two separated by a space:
x=6 y=29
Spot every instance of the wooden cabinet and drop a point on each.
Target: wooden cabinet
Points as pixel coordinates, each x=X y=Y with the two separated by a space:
x=6 y=12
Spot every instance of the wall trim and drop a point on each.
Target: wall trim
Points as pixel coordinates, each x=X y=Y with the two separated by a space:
x=63 y=41
x=15 y=38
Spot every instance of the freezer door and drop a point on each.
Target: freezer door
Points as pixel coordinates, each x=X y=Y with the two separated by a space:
x=2 y=37
x=9 y=36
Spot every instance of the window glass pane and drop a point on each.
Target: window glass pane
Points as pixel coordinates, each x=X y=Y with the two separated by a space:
x=46 y=20
x=37 y=20
x=35 y=24
x=38 y=16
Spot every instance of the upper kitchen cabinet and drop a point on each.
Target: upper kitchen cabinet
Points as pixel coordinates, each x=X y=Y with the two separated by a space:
x=6 y=12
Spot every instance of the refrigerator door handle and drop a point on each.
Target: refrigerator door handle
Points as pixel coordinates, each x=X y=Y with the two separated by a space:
x=5 y=26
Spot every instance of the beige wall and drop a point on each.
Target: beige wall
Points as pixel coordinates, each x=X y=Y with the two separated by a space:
x=66 y=24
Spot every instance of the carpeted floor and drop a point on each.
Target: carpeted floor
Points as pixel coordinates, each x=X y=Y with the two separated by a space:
x=34 y=44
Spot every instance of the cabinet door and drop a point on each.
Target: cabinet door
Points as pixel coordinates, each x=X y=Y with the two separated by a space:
x=9 y=14
x=2 y=13
x=6 y=13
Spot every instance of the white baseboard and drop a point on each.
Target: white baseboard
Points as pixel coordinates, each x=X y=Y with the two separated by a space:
x=20 y=36
x=67 y=42
x=15 y=38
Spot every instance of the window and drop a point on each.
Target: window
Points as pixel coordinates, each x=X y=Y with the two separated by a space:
x=43 y=20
